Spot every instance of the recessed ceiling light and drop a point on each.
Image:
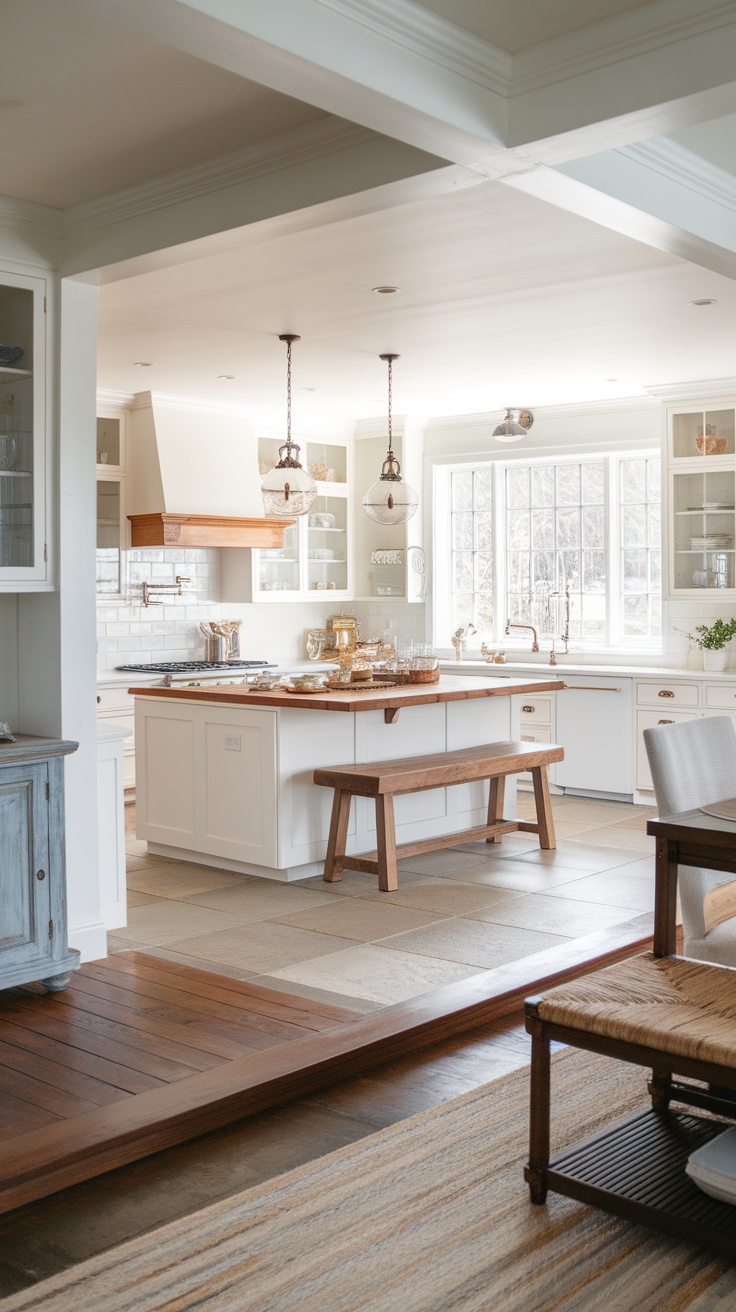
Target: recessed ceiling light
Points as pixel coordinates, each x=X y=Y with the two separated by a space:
x=143 y=364
x=310 y=389
x=385 y=291
x=610 y=380
x=229 y=377
x=705 y=301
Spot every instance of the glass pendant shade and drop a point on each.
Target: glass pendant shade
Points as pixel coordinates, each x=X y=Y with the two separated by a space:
x=390 y=500
x=514 y=426
x=288 y=490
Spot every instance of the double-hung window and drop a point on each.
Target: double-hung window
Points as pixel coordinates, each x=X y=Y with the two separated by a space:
x=570 y=545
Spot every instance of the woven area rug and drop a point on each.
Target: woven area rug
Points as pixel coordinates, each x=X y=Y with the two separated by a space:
x=431 y=1215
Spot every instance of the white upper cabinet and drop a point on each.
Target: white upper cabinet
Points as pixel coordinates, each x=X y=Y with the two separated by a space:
x=24 y=554
x=316 y=556
x=701 y=499
x=389 y=560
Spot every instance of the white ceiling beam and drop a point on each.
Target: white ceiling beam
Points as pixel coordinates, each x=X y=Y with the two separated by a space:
x=387 y=64
x=645 y=73
x=671 y=184
x=591 y=201
x=318 y=174
x=394 y=67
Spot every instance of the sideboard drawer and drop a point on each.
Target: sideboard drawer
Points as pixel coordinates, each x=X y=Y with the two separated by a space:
x=667 y=694
x=721 y=695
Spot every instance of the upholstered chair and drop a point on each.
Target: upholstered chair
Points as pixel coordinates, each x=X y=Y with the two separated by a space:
x=693 y=764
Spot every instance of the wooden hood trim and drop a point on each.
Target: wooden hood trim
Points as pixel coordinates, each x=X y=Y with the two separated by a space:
x=167 y=530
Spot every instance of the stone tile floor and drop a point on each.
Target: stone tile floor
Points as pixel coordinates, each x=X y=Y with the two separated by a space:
x=456 y=912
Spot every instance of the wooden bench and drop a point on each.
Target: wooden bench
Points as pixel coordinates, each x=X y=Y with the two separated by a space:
x=678 y=1018
x=385 y=780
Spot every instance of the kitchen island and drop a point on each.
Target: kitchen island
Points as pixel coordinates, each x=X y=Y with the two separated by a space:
x=225 y=773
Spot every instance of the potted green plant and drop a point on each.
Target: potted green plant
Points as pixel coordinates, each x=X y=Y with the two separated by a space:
x=712 y=640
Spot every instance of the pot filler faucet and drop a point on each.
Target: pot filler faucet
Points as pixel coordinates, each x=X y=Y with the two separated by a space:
x=510 y=626
x=460 y=638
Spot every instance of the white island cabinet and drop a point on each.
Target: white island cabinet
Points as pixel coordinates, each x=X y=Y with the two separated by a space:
x=225 y=776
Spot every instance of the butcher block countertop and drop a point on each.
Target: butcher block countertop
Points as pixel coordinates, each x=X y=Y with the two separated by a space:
x=451 y=688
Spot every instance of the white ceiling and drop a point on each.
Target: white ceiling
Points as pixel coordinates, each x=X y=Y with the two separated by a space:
x=518 y=24
x=88 y=107
x=504 y=300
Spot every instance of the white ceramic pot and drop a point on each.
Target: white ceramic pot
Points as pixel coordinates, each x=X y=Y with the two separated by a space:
x=714 y=660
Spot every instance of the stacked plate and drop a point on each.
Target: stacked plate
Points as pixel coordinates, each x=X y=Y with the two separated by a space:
x=712 y=542
x=713 y=1167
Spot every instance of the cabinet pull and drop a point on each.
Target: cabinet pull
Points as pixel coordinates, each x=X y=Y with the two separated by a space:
x=665 y=693
x=529 y=709
x=99 y=699
x=583 y=687
x=40 y=874
x=665 y=722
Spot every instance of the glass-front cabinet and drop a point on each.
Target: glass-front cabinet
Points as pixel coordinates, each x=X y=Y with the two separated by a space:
x=315 y=556
x=23 y=539
x=702 y=499
x=111 y=521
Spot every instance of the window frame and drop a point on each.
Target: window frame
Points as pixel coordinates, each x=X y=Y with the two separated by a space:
x=614 y=639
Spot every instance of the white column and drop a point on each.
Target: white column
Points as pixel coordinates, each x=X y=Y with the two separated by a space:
x=77 y=611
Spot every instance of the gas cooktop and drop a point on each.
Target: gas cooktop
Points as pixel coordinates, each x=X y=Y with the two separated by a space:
x=194 y=667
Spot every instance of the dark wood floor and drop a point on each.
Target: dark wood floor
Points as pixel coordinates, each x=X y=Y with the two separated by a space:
x=55 y=1232
x=127 y=1026
x=140 y=1054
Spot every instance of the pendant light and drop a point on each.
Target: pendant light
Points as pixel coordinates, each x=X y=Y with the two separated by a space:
x=390 y=500
x=287 y=490
x=514 y=426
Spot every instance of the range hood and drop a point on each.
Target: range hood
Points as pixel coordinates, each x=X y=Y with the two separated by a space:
x=192 y=478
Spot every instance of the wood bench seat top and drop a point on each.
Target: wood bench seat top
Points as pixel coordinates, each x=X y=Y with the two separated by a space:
x=411 y=774
x=678 y=1006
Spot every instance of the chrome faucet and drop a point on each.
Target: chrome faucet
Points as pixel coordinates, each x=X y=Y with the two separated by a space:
x=510 y=626
x=460 y=638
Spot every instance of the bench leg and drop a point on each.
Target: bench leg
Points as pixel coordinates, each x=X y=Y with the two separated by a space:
x=543 y=804
x=495 y=804
x=388 y=875
x=660 y=1090
x=338 y=835
x=536 y=1172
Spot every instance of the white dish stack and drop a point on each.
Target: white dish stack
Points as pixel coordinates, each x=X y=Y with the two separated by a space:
x=713 y=1167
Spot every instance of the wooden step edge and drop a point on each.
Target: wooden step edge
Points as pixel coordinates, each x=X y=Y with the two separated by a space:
x=66 y=1153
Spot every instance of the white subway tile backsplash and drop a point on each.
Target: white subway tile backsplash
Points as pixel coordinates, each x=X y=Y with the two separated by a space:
x=131 y=633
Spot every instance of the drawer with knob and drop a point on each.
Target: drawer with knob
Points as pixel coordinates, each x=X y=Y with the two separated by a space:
x=721 y=696
x=535 y=710
x=667 y=694
x=651 y=720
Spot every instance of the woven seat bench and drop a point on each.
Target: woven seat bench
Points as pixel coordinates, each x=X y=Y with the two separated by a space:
x=384 y=780
x=677 y=1017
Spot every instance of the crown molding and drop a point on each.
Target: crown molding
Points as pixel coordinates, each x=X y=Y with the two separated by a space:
x=568 y=410
x=423 y=33
x=198 y=405
x=27 y=216
x=325 y=136
x=115 y=400
x=686 y=168
x=700 y=389
x=612 y=40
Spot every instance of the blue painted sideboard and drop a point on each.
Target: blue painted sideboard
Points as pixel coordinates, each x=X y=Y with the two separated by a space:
x=33 y=916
